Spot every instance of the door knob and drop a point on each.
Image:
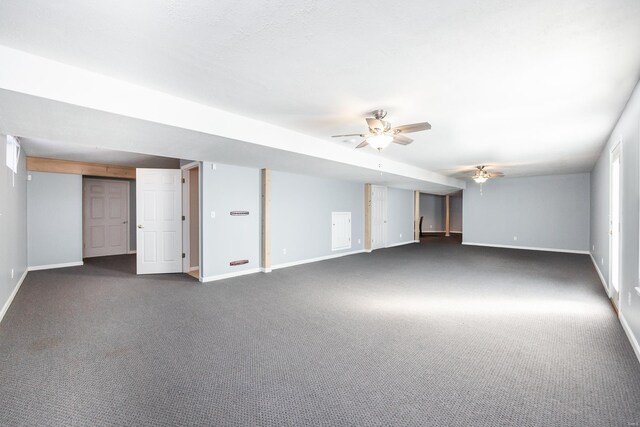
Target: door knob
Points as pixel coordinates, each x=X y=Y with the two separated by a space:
x=140 y=226
x=124 y=222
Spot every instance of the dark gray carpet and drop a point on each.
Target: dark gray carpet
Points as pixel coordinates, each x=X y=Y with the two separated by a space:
x=433 y=334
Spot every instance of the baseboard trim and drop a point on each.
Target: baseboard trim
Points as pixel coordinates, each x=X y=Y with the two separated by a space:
x=50 y=266
x=604 y=282
x=630 y=335
x=7 y=304
x=528 y=248
x=229 y=275
x=132 y=252
x=408 y=242
x=265 y=270
x=321 y=258
x=440 y=231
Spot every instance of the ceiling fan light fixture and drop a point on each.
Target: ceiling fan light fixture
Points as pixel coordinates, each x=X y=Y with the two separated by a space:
x=480 y=179
x=380 y=141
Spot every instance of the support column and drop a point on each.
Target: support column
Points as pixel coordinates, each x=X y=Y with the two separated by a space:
x=447 y=224
x=416 y=216
x=265 y=196
x=367 y=217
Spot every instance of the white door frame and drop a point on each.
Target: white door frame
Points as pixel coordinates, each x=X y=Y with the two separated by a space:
x=186 y=224
x=616 y=151
x=128 y=196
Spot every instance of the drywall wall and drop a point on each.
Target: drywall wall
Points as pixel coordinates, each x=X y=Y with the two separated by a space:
x=455 y=212
x=54 y=219
x=627 y=133
x=227 y=238
x=399 y=216
x=301 y=207
x=550 y=212
x=13 y=227
x=432 y=211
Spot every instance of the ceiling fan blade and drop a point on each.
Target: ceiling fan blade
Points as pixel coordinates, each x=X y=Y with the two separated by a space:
x=402 y=140
x=362 y=144
x=414 y=127
x=349 y=134
x=496 y=174
x=375 y=123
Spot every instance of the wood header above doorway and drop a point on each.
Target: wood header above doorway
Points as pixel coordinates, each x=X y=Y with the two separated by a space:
x=40 y=164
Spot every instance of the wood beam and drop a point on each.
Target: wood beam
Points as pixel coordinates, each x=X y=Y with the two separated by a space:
x=447 y=224
x=416 y=215
x=266 y=220
x=40 y=164
x=367 y=217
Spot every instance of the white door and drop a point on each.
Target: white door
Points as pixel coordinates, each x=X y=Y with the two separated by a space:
x=159 y=217
x=105 y=212
x=614 y=227
x=378 y=217
x=340 y=230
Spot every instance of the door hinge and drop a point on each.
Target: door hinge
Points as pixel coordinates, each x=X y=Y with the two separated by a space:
x=183 y=181
x=183 y=218
x=184 y=255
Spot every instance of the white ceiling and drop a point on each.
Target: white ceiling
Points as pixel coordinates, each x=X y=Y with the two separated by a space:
x=531 y=87
x=93 y=154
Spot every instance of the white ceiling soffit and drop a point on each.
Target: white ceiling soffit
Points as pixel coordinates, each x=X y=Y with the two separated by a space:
x=533 y=87
x=45 y=79
x=44 y=119
x=92 y=154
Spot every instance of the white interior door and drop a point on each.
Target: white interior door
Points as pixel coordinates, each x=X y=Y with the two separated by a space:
x=340 y=230
x=105 y=209
x=378 y=217
x=159 y=217
x=614 y=227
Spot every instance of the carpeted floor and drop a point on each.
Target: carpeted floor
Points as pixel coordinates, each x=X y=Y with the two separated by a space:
x=436 y=334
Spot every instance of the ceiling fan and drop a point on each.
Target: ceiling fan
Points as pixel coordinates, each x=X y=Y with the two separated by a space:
x=381 y=134
x=480 y=175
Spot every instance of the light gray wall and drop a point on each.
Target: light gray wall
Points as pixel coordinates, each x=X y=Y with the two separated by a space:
x=399 y=216
x=13 y=224
x=455 y=214
x=54 y=218
x=432 y=210
x=543 y=212
x=301 y=209
x=228 y=238
x=628 y=131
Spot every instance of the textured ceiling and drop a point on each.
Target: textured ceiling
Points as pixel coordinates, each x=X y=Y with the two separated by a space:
x=532 y=87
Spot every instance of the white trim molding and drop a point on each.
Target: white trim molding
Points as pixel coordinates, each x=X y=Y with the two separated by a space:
x=321 y=258
x=229 y=275
x=632 y=338
x=131 y=252
x=602 y=279
x=50 y=266
x=7 y=304
x=408 y=242
x=528 y=248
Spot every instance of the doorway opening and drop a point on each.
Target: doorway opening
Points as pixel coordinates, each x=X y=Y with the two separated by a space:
x=191 y=220
x=107 y=217
x=614 y=225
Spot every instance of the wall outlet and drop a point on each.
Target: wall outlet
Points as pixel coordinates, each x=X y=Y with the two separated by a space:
x=213 y=214
x=602 y=261
x=515 y=237
x=12 y=277
x=358 y=241
x=593 y=248
x=214 y=166
x=284 y=251
x=401 y=235
x=430 y=225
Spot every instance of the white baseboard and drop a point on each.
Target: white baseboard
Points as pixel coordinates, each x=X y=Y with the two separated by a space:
x=455 y=232
x=528 y=248
x=440 y=231
x=401 y=243
x=602 y=279
x=321 y=258
x=132 y=252
x=630 y=335
x=266 y=270
x=230 y=275
x=50 y=266
x=6 y=305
